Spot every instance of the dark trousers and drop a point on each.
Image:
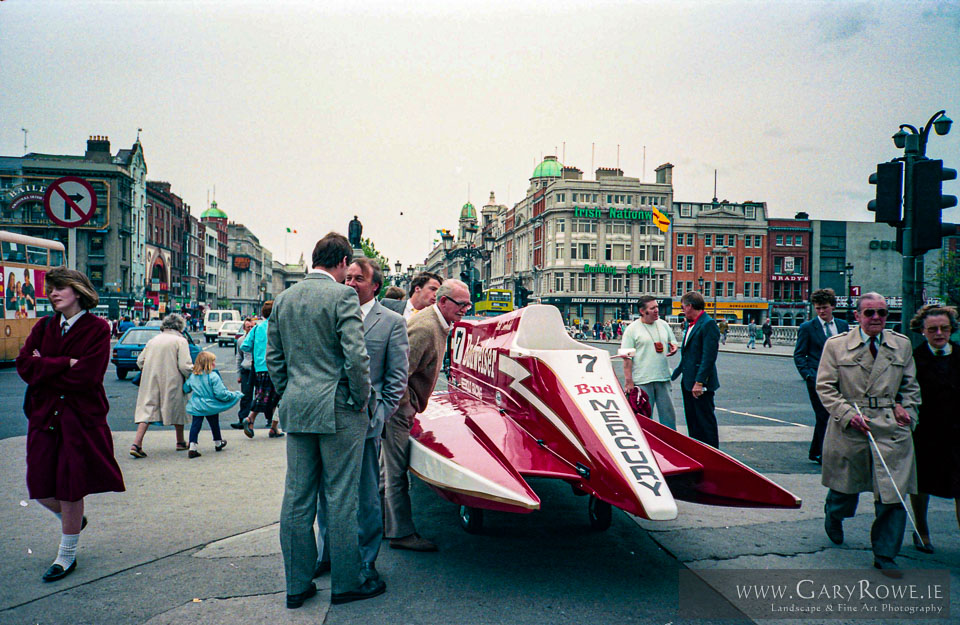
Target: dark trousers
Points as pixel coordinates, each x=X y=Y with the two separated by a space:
x=246 y=387
x=766 y=340
x=213 y=420
x=701 y=420
x=886 y=534
x=822 y=416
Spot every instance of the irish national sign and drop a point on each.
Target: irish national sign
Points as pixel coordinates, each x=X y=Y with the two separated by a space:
x=70 y=201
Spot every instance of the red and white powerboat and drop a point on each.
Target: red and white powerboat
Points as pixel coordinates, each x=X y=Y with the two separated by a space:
x=526 y=400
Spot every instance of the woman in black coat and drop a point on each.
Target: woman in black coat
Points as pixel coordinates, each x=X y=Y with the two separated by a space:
x=938 y=425
x=69 y=445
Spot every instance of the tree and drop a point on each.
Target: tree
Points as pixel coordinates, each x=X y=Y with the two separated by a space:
x=949 y=276
x=370 y=251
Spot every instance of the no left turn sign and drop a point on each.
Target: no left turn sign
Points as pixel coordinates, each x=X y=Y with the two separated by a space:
x=70 y=201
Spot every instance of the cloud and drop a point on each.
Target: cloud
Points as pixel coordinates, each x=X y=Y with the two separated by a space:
x=844 y=23
x=773 y=131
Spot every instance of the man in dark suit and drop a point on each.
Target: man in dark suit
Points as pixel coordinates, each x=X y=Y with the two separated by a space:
x=423 y=293
x=698 y=368
x=385 y=335
x=806 y=355
x=318 y=362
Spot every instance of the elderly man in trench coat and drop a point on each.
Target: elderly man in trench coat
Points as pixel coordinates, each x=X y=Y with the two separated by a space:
x=871 y=369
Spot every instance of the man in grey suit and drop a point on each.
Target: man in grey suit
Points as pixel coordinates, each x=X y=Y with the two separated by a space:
x=698 y=366
x=423 y=293
x=318 y=363
x=385 y=334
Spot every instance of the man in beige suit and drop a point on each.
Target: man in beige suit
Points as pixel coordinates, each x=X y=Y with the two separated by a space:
x=427 y=331
x=871 y=369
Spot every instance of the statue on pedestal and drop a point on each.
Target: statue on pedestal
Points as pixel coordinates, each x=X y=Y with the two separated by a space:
x=354 y=230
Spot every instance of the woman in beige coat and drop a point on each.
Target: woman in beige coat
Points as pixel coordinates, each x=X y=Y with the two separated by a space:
x=165 y=363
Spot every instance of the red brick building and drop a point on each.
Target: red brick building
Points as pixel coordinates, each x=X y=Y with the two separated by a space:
x=788 y=285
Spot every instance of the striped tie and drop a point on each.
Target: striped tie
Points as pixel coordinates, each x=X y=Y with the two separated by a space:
x=63 y=327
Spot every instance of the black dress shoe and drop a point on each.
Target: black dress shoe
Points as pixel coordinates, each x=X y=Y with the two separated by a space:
x=238 y=425
x=369 y=571
x=817 y=459
x=888 y=568
x=367 y=590
x=83 y=523
x=295 y=601
x=322 y=567
x=925 y=547
x=56 y=572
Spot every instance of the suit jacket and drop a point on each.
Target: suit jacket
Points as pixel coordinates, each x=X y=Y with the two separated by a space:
x=849 y=375
x=809 y=347
x=396 y=305
x=316 y=355
x=385 y=334
x=698 y=357
x=428 y=340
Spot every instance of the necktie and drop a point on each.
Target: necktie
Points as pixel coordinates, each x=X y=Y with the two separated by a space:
x=940 y=352
x=873 y=346
x=63 y=327
x=827 y=330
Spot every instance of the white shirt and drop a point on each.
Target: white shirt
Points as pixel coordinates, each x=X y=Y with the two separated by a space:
x=829 y=324
x=72 y=320
x=947 y=349
x=866 y=337
x=365 y=308
x=326 y=273
x=408 y=311
x=443 y=322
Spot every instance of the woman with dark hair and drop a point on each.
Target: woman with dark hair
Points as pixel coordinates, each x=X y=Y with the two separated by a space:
x=265 y=397
x=69 y=444
x=938 y=424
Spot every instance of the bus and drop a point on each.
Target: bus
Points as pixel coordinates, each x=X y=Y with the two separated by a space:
x=494 y=302
x=24 y=262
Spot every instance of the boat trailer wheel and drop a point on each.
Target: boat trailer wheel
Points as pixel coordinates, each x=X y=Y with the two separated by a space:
x=471 y=519
x=601 y=513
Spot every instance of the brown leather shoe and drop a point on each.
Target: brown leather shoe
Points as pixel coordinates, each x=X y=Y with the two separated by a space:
x=413 y=542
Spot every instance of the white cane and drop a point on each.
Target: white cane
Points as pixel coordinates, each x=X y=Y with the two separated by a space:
x=883 y=462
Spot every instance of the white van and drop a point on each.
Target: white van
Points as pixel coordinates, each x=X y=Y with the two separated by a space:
x=213 y=319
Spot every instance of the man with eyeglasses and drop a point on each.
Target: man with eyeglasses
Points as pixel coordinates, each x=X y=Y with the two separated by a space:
x=427 y=333
x=867 y=382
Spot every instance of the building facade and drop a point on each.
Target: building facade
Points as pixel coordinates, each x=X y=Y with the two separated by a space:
x=250 y=279
x=720 y=250
x=788 y=261
x=216 y=220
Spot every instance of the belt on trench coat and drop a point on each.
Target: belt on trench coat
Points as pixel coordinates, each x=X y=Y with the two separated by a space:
x=873 y=402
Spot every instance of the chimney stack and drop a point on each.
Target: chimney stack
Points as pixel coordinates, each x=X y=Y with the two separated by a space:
x=98 y=149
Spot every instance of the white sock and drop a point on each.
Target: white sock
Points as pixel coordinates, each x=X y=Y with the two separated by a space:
x=193 y=447
x=68 y=550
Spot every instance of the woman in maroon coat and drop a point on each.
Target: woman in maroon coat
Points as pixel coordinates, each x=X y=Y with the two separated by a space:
x=69 y=445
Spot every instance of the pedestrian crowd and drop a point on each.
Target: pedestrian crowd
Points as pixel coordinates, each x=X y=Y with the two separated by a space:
x=885 y=421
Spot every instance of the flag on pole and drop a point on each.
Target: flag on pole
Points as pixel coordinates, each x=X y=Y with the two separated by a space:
x=660 y=220
x=291 y=230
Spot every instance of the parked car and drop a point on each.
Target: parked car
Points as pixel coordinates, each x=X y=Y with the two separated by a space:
x=132 y=342
x=229 y=332
x=154 y=323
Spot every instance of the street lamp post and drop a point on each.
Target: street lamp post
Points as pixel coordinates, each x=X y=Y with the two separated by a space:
x=848 y=271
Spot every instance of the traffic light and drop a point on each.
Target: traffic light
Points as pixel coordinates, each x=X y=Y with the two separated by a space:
x=523 y=295
x=477 y=291
x=928 y=204
x=889 y=181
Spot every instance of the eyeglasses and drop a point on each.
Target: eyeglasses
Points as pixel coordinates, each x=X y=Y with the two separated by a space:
x=936 y=329
x=874 y=312
x=465 y=304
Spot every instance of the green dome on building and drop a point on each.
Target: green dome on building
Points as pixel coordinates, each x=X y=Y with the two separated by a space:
x=213 y=212
x=468 y=212
x=549 y=168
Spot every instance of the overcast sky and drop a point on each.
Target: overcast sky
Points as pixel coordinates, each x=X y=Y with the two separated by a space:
x=305 y=113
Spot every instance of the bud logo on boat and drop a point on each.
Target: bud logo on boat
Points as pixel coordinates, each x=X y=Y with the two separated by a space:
x=583 y=389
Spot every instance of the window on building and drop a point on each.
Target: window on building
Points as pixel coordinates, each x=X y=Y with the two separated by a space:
x=684 y=210
x=756 y=289
x=718 y=288
x=788 y=240
x=679 y=263
x=747 y=264
x=96 y=276
x=661 y=283
x=583 y=282
x=679 y=239
x=96 y=246
x=756 y=264
x=732 y=264
x=731 y=240
x=620 y=227
x=583 y=225
x=559 y=252
x=779 y=239
x=798 y=265
x=658 y=249
x=690 y=262
x=617 y=251
x=750 y=212
x=707 y=264
x=689 y=285
x=757 y=241
x=679 y=292
x=778 y=265
x=561 y=197
x=629 y=199
x=593 y=282
x=748 y=241
x=609 y=199
x=731 y=289
x=778 y=291
x=708 y=240
x=561 y=224
x=606 y=283
x=706 y=289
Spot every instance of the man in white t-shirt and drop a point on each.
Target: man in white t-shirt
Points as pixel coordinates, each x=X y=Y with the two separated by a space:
x=651 y=341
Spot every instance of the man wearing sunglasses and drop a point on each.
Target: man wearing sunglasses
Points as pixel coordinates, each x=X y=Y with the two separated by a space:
x=867 y=382
x=427 y=332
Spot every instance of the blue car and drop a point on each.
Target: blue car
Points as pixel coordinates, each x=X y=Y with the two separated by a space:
x=132 y=342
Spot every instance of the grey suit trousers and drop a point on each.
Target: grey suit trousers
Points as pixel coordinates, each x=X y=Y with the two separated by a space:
x=886 y=533
x=397 y=513
x=334 y=460
x=369 y=514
